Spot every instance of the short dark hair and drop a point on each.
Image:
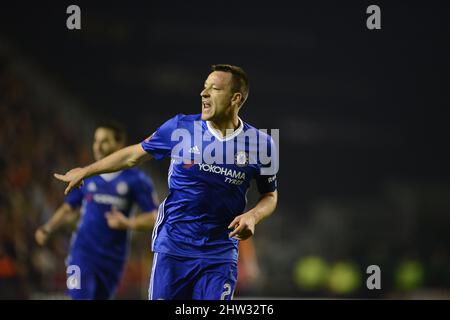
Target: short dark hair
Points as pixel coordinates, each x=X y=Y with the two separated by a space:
x=120 y=134
x=239 y=78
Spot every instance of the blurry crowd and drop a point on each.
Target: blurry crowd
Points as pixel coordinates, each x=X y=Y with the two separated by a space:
x=30 y=151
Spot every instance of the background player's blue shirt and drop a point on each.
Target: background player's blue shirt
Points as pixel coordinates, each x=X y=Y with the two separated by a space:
x=203 y=198
x=96 y=197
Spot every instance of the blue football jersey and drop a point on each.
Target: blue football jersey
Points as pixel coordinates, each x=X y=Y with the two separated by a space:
x=207 y=193
x=98 y=195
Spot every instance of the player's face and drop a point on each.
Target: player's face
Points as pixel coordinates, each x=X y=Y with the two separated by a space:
x=104 y=143
x=216 y=96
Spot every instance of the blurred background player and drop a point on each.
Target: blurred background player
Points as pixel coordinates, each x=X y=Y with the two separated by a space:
x=99 y=247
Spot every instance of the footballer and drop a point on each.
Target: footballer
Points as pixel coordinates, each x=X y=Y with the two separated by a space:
x=200 y=223
x=99 y=247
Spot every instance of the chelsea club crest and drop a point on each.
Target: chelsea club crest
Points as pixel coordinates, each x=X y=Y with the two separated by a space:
x=122 y=188
x=241 y=159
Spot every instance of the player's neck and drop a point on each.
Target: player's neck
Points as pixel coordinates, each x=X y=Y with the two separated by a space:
x=222 y=126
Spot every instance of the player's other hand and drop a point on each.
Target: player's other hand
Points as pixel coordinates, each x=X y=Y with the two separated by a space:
x=41 y=235
x=74 y=177
x=117 y=220
x=243 y=225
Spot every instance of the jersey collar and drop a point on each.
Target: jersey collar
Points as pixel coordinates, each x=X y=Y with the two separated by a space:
x=216 y=133
x=110 y=176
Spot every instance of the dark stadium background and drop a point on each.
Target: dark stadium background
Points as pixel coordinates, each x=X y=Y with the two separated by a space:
x=363 y=116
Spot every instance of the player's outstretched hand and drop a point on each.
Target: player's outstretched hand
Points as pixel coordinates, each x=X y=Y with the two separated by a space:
x=74 y=177
x=117 y=220
x=41 y=235
x=243 y=225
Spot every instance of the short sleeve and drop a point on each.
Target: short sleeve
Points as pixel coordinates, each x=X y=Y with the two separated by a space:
x=144 y=193
x=160 y=144
x=74 y=198
x=266 y=183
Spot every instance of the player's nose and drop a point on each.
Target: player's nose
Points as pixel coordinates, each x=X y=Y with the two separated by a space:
x=204 y=93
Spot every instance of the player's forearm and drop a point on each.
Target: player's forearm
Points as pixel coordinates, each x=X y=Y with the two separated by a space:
x=144 y=221
x=58 y=218
x=122 y=159
x=265 y=206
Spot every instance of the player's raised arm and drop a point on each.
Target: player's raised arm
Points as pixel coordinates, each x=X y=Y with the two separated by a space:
x=122 y=159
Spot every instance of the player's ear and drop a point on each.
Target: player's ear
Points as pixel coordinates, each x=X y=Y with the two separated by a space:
x=236 y=98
